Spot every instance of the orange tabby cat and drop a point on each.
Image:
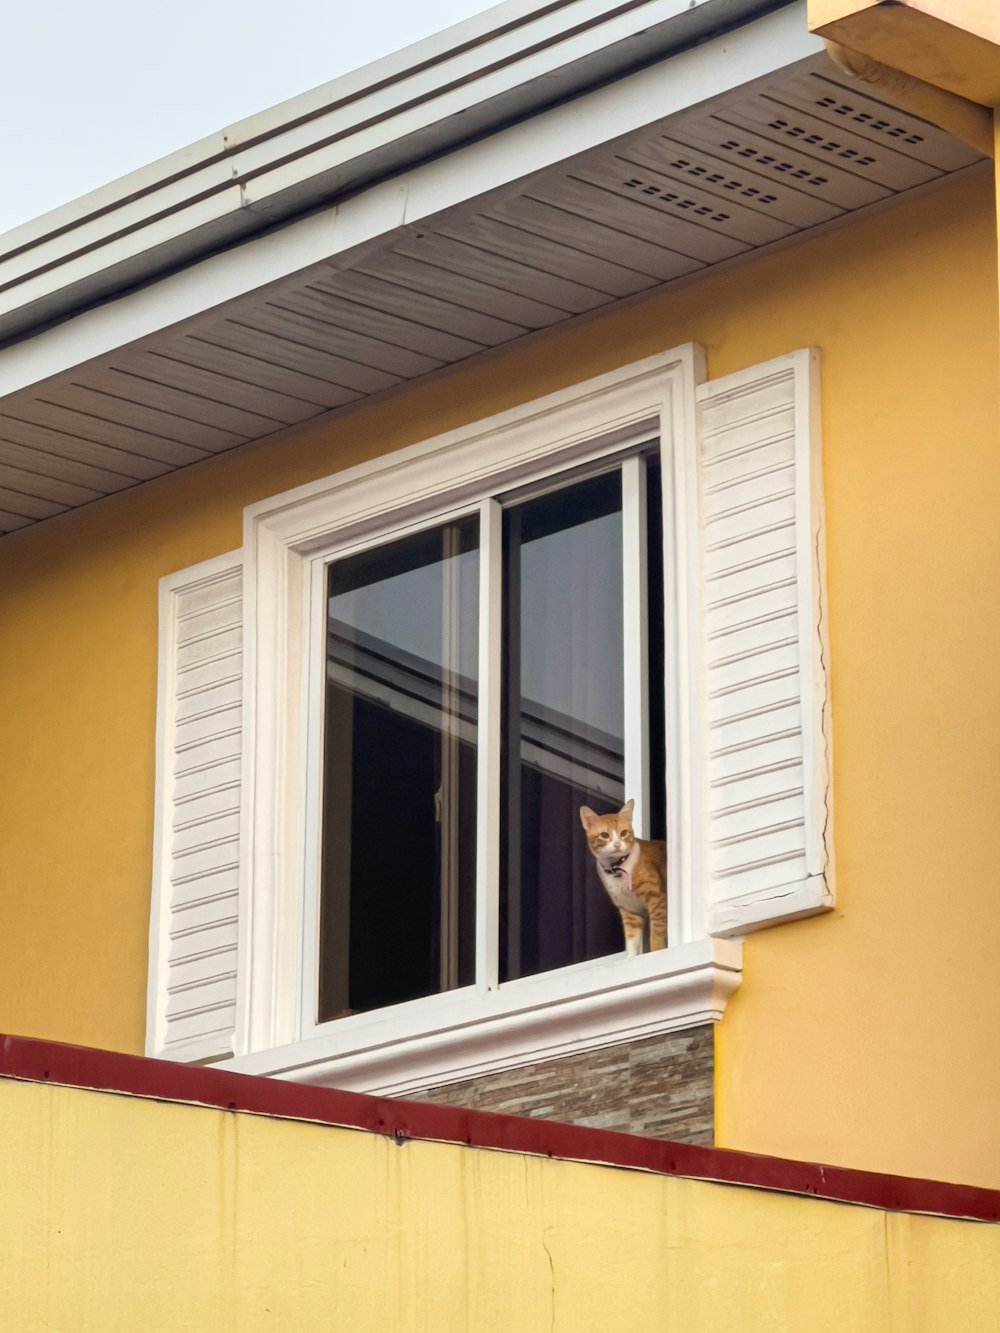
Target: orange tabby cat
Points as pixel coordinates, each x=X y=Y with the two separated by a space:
x=634 y=873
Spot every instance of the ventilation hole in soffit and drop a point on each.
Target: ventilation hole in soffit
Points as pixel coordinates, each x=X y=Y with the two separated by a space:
x=722 y=180
x=676 y=200
x=774 y=163
x=813 y=140
x=869 y=120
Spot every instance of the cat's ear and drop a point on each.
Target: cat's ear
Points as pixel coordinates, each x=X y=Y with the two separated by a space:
x=587 y=816
x=627 y=808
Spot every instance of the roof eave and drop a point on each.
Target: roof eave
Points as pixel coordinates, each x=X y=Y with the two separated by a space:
x=465 y=84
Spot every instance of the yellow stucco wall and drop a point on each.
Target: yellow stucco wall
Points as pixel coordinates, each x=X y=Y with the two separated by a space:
x=123 y=1214
x=865 y=1037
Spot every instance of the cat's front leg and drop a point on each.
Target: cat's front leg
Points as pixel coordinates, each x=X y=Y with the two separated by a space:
x=632 y=925
x=658 y=923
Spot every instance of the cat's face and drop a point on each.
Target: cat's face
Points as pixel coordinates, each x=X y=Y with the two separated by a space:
x=609 y=837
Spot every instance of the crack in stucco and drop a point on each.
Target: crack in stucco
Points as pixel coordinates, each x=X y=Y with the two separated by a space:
x=552 y=1279
x=825 y=704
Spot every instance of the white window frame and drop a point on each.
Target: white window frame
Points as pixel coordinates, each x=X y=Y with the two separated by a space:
x=289 y=541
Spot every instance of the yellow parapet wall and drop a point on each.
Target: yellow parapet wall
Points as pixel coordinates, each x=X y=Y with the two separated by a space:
x=118 y=1212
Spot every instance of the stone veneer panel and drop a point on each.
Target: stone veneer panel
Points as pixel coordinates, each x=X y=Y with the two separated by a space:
x=660 y=1087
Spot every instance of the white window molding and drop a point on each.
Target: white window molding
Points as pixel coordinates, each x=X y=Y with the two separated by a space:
x=452 y=1037
x=289 y=538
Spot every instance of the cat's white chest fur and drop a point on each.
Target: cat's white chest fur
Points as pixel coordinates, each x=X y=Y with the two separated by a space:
x=618 y=884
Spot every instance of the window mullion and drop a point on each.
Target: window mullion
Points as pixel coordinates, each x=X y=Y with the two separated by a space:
x=448 y=964
x=635 y=639
x=488 y=756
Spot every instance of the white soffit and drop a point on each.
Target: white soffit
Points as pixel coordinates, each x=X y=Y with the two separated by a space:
x=726 y=148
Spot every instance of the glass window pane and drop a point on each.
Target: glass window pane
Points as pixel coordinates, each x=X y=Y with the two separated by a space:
x=564 y=722
x=397 y=914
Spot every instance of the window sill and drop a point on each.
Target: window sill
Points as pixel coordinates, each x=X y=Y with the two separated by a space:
x=454 y=1037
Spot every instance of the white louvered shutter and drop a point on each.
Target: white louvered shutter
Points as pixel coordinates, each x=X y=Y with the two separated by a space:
x=194 y=919
x=764 y=767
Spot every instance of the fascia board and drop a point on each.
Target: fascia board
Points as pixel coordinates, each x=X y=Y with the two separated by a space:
x=451 y=182
x=953 y=45
x=465 y=83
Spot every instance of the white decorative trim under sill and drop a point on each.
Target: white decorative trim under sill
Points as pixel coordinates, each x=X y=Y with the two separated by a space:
x=538 y=1018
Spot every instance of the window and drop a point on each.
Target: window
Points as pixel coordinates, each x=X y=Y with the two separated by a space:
x=400 y=845
x=615 y=591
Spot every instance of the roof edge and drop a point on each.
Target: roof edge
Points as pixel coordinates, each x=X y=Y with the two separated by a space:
x=322 y=147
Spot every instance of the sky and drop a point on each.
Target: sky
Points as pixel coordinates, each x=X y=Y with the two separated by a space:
x=90 y=91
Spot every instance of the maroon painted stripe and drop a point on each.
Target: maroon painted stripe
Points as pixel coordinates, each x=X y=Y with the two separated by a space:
x=106 y=1071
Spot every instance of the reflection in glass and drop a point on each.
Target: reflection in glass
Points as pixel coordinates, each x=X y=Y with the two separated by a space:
x=397 y=918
